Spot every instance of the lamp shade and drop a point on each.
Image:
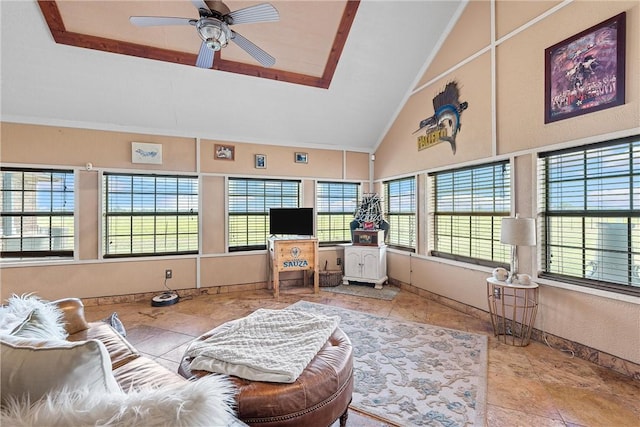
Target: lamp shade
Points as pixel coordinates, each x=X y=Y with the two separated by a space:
x=518 y=231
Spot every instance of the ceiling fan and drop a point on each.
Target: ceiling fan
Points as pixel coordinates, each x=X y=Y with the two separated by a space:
x=213 y=28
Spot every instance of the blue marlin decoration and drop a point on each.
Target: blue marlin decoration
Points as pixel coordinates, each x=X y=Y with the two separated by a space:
x=444 y=125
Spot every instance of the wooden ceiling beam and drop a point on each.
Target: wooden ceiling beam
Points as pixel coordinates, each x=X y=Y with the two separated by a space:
x=56 y=25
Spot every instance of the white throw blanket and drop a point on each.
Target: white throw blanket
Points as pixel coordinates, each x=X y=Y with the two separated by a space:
x=267 y=345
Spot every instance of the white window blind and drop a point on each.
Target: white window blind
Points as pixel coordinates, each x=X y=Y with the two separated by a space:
x=37 y=212
x=249 y=204
x=150 y=215
x=467 y=207
x=336 y=203
x=400 y=207
x=590 y=215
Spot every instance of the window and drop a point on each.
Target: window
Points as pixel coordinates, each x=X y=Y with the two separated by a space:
x=150 y=215
x=467 y=207
x=37 y=212
x=590 y=215
x=335 y=206
x=249 y=204
x=400 y=207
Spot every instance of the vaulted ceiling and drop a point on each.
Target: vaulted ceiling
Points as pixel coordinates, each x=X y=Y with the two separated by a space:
x=343 y=69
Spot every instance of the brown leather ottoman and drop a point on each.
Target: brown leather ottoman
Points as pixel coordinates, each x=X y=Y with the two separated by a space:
x=319 y=396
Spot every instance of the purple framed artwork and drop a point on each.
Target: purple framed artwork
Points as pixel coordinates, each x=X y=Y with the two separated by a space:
x=585 y=73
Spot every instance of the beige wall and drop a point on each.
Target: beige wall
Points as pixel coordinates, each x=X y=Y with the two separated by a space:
x=323 y=164
x=90 y=276
x=473 y=142
x=43 y=145
x=93 y=279
x=476 y=22
x=599 y=320
x=520 y=80
x=511 y=15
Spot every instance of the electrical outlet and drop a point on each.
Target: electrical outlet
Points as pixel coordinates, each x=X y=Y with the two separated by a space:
x=339 y=261
x=168 y=274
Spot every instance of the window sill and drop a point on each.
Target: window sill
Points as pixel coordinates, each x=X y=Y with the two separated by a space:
x=465 y=265
x=587 y=290
x=31 y=262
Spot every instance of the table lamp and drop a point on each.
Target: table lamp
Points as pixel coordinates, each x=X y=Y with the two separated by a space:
x=517 y=232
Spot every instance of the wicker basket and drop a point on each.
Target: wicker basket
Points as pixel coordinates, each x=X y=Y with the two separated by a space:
x=330 y=278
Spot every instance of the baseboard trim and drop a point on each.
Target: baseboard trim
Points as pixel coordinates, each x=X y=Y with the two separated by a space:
x=182 y=293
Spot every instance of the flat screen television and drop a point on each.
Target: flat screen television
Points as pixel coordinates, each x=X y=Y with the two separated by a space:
x=291 y=221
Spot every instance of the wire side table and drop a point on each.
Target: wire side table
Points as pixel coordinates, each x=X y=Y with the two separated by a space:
x=513 y=309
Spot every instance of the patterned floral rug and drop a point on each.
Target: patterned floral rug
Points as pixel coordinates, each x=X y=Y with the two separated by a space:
x=413 y=374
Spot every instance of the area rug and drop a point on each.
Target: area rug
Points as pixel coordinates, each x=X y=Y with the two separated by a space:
x=386 y=293
x=413 y=374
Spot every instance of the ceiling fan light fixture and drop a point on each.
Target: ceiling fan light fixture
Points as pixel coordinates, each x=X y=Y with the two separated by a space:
x=213 y=44
x=215 y=33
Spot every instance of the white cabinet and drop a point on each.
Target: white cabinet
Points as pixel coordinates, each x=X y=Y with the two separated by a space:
x=366 y=264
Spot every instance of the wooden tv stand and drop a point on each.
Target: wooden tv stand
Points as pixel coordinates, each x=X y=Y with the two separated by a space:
x=293 y=254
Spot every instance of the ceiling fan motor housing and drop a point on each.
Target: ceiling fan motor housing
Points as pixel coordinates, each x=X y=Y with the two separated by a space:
x=214 y=32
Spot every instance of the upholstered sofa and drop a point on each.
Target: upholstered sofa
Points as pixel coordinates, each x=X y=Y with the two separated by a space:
x=95 y=376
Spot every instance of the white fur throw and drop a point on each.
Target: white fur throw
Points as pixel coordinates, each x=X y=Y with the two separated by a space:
x=32 y=317
x=205 y=402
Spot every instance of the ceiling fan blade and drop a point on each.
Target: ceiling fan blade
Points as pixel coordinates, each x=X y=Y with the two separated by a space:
x=263 y=12
x=151 y=21
x=200 y=4
x=258 y=54
x=205 y=57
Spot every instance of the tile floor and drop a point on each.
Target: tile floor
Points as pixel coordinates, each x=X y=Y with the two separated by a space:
x=527 y=386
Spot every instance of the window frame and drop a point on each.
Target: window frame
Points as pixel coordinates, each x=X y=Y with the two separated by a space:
x=629 y=216
x=264 y=213
x=393 y=240
x=346 y=230
x=192 y=212
x=50 y=214
x=500 y=253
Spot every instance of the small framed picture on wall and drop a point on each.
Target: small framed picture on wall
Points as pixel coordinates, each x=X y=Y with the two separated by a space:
x=261 y=161
x=302 y=158
x=224 y=152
